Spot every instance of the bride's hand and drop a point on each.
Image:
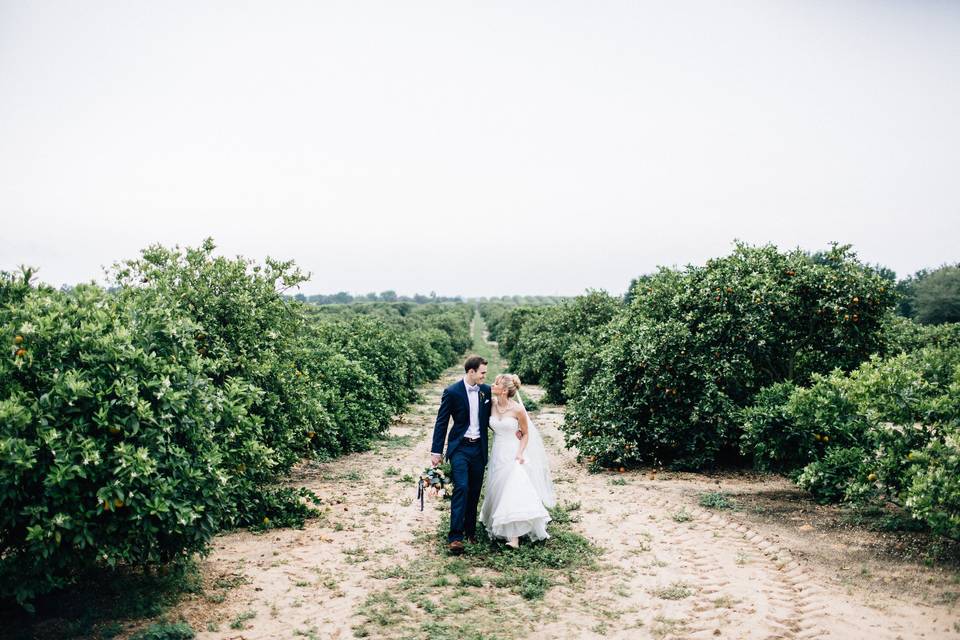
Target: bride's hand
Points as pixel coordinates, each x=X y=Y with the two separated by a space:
x=520 y=459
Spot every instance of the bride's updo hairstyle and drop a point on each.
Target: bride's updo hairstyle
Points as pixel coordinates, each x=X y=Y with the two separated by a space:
x=510 y=382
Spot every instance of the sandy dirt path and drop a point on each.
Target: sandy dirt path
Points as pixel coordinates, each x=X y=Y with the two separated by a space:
x=676 y=570
x=669 y=568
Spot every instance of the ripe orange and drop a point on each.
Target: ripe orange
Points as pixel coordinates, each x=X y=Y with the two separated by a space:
x=622 y=469
x=21 y=352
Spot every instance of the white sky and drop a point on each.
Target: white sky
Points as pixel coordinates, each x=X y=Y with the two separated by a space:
x=477 y=148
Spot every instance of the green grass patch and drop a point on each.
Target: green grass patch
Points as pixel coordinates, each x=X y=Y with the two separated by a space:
x=676 y=591
x=681 y=516
x=394 y=442
x=715 y=501
x=165 y=631
x=241 y=620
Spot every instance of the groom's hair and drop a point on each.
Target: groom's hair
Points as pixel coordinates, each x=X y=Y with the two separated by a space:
x=473 y=363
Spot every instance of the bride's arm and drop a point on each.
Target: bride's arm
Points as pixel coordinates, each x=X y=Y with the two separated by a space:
x=522 y=419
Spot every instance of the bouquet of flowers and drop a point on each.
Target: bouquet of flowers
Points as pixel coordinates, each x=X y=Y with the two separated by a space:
x=434 y=481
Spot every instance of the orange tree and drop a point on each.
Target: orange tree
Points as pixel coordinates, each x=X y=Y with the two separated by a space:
x=663 y=383
x=247 y=335
x=108 y=445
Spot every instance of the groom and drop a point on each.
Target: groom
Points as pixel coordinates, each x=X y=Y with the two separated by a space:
x=468 y=402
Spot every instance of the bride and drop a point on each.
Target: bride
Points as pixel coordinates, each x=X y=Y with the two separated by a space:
x=519 y=488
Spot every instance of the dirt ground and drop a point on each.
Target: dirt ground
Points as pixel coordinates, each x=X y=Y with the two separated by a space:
x=773 y=565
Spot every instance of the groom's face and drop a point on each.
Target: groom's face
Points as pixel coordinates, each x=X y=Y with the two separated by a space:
x=477 y=376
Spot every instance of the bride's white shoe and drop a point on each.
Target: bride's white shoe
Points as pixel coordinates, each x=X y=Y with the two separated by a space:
x=513 y=543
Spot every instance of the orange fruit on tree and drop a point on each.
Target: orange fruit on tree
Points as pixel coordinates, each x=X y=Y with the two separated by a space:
x=18 y=340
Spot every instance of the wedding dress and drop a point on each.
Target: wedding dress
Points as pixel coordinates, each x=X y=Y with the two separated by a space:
x=517 y=494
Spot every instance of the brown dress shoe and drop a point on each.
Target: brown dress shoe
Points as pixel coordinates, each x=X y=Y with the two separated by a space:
x=455 y=547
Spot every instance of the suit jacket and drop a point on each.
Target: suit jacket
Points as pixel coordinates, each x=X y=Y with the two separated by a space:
x=454 y=404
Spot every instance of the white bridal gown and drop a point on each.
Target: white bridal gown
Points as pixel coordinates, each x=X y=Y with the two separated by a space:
x=514 y=502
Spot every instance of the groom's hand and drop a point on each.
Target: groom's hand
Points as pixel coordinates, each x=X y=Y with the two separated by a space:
x=435 y=459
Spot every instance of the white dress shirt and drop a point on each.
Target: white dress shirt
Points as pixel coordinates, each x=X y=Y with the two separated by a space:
x=473 y=431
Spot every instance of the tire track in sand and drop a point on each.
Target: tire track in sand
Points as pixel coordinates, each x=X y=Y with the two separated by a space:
x=681 y=571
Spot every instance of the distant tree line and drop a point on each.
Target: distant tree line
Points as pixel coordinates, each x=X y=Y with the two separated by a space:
x=526 y=301
x=343 y=297
x=931 y=296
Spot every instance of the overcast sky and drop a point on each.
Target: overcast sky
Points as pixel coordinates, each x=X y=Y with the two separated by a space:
x=479 y=148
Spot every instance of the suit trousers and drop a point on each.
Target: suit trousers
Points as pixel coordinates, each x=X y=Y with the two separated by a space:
x=467 y=466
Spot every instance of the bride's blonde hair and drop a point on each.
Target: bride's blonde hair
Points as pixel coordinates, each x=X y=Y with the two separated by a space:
x=509 y=381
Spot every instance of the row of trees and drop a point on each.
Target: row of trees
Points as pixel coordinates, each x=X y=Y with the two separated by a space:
x=931 y=296
x=757 y=357
x=137 y=422
x=344 y=297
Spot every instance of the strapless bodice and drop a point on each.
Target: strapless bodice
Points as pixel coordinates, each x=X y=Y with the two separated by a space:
x=505 y=425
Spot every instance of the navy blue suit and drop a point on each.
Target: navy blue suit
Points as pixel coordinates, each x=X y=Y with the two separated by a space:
x=467 y=460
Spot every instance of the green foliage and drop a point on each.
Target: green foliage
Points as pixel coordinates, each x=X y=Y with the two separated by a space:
x=827 y=478
x=103 y=418
x=665 y=382
x=770 y=435
x=15 y=287
x=886 y=430
x=166 y=631
x=937 y=297
x=281 y=508
x=138 y=422
x=507 y=335
x=934 y=492
x=902 y=335
x=246 y=334
x=546 y=342
x=715 y=501
x=644 y=400
x=931 y=296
